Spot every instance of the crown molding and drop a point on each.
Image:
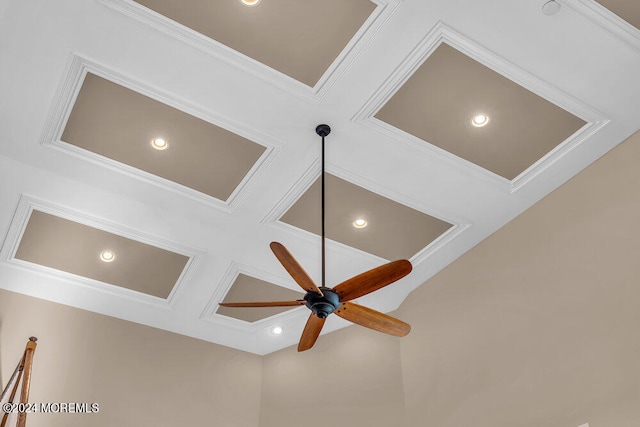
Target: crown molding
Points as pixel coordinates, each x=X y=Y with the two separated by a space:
x=442 y=33
x=607 y=20
x=301 y=185
x=28 y=204
x=384 y=10
x=458 y=226
x=77 y=68
x=232 y=272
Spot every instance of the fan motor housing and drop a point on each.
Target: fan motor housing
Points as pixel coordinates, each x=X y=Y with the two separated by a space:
x=322 y=305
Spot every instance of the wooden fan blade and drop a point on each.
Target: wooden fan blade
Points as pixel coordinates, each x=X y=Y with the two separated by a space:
x=372 y=280
x=373 y=319
x=311 y=331
x=263 y=304
x=295 y=270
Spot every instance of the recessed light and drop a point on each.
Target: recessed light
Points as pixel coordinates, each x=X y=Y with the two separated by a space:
x=480 y=120
x=250 y=2
x=276 y=330
x=159 y=144
x=107 y=256
x=360 y=223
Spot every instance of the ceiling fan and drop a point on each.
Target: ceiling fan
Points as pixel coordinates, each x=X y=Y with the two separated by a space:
x=322 y=301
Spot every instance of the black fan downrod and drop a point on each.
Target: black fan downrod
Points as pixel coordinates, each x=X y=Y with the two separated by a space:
x=322 y=305
x=322 y=131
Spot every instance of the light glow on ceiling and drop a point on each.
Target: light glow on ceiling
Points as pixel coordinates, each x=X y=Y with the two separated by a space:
x=159 y=144
x=276 y=330
x=480 y=120
x=107 y=256
x=250 y=2
x=360 y=223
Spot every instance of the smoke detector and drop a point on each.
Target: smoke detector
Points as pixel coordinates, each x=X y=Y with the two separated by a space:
x=551 y=8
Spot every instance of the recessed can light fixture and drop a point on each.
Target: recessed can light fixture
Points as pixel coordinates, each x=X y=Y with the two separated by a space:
x=360 y=223
x=107 y=255
x=250 y=2
x=480 y=120
x=159 y=144
x=276 y=330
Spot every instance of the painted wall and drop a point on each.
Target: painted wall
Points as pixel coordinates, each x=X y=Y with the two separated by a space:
x=537 y=325
x=139 y=375
x=352 y=377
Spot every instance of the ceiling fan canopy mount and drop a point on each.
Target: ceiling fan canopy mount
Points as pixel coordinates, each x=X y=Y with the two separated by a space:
x=323 y=130
x=322 y=305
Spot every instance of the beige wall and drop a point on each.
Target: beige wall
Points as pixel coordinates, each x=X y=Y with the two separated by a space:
x=537 y=326
x=140 y=376
x=352 y=377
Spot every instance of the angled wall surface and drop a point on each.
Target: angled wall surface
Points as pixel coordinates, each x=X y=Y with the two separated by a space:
x=537 y=325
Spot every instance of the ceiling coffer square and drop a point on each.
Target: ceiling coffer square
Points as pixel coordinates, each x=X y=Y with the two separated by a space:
x=393 y=230
x=273 y=32
x=81 y=250
x=473 y=112
x=120 y=124
x=247 y=288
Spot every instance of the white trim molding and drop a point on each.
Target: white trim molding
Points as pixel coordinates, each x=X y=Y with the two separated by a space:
x=77 y=69
x=458 y=226
x=607 y=20
x=384 y=10
x=28 y=204
x=442 y=33
x=231 y=274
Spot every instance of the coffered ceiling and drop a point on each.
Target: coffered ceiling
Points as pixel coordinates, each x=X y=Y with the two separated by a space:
x=449 y=88
x=235 y=93
x=283 y=35
x=120 y=124
x=67 y=246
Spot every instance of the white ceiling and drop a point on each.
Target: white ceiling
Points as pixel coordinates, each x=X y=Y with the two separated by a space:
x=584 y=59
